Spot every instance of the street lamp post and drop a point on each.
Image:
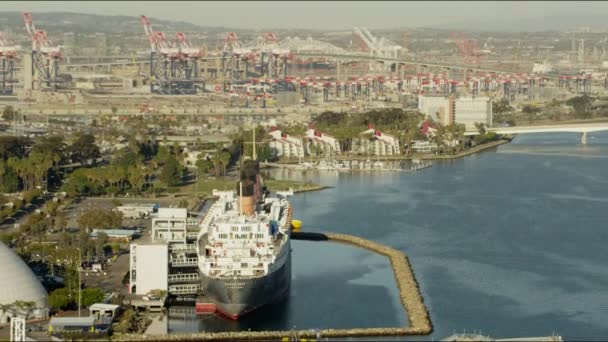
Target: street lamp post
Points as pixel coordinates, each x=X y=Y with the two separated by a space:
x=79 y=280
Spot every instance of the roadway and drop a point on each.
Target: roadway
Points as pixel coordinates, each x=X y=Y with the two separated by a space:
x=583 y=128
x=120 y=61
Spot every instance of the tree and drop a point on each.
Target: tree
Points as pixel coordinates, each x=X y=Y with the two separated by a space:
x=136 y=177
x=203 y=165
x=16 y=147
x=100 y=242
x=581 y=106
x=84 y=149
x=531 y=111
x=99 y=219
x=60 y=299
x=9 y=181
x=501 y=106
x=162 y=155
x=60 y=221
x=91 y=295
x=8 y=113
x=171 y=174
x=480 y=128
x=224 y=159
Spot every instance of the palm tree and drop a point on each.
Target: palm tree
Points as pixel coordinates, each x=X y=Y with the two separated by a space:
x=224 y=159
x=135 y=177
x=19 y=167
x=216 y=162
x=480 y=128
x=2 y=171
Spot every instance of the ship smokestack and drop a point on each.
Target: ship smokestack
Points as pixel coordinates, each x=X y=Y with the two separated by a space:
x=248 y=187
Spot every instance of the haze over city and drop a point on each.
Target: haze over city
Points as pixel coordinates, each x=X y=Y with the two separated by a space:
x=476 y=15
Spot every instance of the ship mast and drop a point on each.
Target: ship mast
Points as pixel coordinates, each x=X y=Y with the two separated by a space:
x=254 y=156
x=241 y=198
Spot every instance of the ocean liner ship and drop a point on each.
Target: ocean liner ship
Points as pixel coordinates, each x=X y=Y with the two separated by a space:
x=243 y=247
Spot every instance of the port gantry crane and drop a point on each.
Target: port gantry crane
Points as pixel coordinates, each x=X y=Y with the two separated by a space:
x=173 y=65
x=8 y=56
x=45 y=57
x=273 y=58
x=235 y=60
x=188 y=65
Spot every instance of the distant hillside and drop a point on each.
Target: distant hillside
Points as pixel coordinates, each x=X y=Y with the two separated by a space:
x=124 y=31
x=89 y=23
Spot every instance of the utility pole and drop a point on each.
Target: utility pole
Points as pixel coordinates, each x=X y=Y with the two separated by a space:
x=79 y=282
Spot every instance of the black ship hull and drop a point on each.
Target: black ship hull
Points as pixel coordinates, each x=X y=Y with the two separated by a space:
x=235 y=297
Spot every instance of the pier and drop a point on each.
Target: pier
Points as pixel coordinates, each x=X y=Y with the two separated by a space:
x=419 y=322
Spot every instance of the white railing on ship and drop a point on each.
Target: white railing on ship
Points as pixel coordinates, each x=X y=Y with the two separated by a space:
x=176 y=278
x=184 y=262
x=182 y=247
x=184 y=289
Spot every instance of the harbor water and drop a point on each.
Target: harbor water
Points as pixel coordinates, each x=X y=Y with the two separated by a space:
x=510 y=242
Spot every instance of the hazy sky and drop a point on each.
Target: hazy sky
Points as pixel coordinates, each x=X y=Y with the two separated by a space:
x=491 y=15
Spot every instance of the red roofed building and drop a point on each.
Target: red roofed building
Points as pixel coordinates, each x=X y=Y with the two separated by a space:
x=329 y=144
x=377 y=143
x=285 y=145
x=427 y=129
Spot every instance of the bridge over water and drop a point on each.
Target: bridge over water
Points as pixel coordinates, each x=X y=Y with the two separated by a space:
x=582 y=128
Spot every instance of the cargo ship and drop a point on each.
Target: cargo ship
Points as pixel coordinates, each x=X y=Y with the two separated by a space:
x=243 y=247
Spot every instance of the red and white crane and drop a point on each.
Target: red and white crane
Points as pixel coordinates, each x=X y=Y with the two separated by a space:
x=40 y=42
x=6 y=49
x=8 y=56
x=45 y=55
x=173 y=64
x=184 y=48
x=158 y=41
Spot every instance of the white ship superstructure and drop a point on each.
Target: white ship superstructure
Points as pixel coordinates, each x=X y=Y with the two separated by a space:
x=237 y=244
x=243 y=248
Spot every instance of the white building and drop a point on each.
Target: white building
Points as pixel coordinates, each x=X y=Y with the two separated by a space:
x=170 y=225
x=149 y=267
x=327 y=143
x=285 y=145
x=423 y=146
x=379 y=144
x=461 y=110
x=19 y=284
x=471 y=110
x=157 y=264
x=435 y=107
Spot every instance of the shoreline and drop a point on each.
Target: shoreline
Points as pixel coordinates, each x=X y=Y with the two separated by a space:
x=313 y=188
x=472 y=150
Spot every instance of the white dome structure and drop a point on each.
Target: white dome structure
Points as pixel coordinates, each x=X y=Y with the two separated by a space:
x=18 y=282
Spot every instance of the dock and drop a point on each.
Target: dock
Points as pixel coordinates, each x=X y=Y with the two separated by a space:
x=479 y=337
x=152 y=305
